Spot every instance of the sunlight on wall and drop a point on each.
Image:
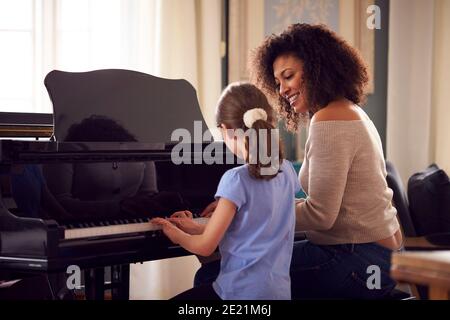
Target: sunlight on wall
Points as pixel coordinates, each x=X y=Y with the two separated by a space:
x=162 y=279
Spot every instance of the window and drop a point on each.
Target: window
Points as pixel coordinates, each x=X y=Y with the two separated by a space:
x=38 y=36
x=18 y=55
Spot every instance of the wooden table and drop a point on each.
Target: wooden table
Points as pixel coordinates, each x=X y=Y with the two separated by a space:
x=429 y=268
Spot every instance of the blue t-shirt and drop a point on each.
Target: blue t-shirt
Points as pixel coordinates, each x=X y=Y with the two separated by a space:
x=256 y=249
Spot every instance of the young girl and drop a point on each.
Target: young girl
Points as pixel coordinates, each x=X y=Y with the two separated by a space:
x=253 y=223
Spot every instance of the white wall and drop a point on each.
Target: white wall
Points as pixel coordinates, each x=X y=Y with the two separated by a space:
x=210 y=72
x=418 y=94
x=441 y=86
x=162 y=279
x=255 y=23
x=347 y=20
x=410 y=85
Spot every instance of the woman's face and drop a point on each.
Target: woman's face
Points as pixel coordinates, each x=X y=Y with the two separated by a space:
x=288 y=73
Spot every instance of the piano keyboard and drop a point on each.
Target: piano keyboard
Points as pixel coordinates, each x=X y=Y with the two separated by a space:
x=117 y=229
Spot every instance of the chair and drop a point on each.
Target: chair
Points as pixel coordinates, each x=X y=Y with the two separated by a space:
x=409 y=226
x=400 y=200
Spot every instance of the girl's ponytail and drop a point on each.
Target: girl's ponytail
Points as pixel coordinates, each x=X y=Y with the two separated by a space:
x=265 y=159
x=244 y=106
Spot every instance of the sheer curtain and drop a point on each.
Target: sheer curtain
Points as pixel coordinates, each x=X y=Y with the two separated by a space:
x=441 y=79
x=172 y=38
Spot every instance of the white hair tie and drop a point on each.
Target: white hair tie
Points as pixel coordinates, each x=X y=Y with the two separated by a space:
x=252 y=115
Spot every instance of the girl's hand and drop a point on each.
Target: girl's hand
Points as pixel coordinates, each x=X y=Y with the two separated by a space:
x=208 y=211
x=182 y=214
x=169 y=229
x=187 y=224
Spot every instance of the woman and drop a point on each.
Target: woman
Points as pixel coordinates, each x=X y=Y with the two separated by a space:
x=351 y=227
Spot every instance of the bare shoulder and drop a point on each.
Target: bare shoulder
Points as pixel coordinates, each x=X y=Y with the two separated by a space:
x=340 y=111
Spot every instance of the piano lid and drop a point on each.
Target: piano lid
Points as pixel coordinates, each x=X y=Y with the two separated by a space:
x=148 y=107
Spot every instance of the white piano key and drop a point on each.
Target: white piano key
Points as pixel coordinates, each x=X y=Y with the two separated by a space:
x=116 y=229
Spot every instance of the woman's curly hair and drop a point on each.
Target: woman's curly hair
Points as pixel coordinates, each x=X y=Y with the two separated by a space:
x=331 y=68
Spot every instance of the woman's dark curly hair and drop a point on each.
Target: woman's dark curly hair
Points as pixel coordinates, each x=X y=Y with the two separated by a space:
x=331 y=68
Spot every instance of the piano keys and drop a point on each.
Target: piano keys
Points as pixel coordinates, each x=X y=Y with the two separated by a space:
x=103 y=229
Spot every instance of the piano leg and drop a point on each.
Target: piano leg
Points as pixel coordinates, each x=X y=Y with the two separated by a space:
x=95 y=283
x=120 y=282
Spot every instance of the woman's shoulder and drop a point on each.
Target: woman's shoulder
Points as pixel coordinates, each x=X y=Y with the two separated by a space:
x=340 y=111
x=339 y=121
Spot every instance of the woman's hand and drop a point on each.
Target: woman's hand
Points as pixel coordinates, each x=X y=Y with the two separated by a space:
x=208 y=211
x=169 y=229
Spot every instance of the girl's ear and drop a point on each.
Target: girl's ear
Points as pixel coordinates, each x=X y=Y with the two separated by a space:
x=228 y=132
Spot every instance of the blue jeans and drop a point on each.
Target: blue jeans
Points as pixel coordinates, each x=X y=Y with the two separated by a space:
x=340 y=271
x=329 y=272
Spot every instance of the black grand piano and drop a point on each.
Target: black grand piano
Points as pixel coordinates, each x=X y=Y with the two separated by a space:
x=127 y=147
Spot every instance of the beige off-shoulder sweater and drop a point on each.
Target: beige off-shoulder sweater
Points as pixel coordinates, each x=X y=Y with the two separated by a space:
x=344 y=176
